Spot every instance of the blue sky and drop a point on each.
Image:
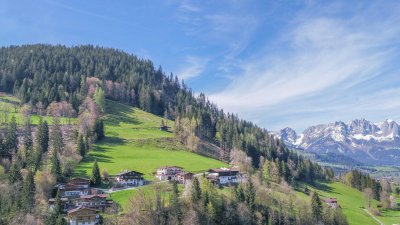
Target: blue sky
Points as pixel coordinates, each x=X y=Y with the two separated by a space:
x=276 y=63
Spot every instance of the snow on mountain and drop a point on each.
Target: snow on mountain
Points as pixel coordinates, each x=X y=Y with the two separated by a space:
x=373 y=143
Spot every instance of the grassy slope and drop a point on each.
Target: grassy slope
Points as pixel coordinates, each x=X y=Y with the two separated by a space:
x=12 y=108
x=135 y=142
x=352 y=202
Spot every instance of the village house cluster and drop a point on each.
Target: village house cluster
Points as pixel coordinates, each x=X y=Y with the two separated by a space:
x=83 y=203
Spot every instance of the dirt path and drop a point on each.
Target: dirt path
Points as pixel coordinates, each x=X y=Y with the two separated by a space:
x=376 y=219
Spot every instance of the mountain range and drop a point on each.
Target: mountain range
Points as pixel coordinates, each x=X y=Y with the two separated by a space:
x=364 y=141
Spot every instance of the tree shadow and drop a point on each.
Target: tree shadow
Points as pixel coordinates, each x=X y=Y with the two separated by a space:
x=118 y=113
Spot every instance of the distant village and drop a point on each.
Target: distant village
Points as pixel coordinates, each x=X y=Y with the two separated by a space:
x=83 y=203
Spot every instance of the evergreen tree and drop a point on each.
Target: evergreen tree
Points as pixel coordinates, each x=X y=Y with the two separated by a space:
x=28 y=192
x=176 y=209
x=56 y=136
x=11 y=141
x=81 y=147
x=250 y=195
x=99 y=129
x=316 y=206
x=42 y=136
x=28 y=143
x=14 y=174
x=196 y=190
x=96 y=177
x=55 y=166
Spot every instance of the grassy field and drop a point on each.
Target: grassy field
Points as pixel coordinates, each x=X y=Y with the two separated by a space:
x=9 y=107
x=352 y=203
x=123 y=197
x=135 y=142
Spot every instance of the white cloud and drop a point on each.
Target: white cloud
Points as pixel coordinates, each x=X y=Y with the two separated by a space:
x=195 y=66
x=315 y=55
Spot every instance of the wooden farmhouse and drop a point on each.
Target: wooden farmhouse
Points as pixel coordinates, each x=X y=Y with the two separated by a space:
x=168 y=172
x=75 y=187
x=98 y=201
x=129 y=178
x=83 y=216
x=332 y=202
x=184 y=177
x=224 y=176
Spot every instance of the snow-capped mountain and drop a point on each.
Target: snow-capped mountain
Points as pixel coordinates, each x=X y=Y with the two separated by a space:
x=360 y=139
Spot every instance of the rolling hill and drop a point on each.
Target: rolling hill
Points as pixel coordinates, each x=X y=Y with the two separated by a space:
x=134 y=141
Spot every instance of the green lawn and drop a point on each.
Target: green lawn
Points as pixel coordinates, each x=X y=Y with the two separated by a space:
x=123 y=197
x=352 y=202
x=135 y=142
x=9 y=107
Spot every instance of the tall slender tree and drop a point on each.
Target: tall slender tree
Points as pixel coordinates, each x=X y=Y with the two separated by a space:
x=81 y=146
x=96 y=177
x=28 y=192
x=316 y=206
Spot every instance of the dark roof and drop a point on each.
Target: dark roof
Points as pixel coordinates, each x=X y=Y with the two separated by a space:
x=69 y=187
x=168 y=167
x=92 y=196
x=80 y=179
x=220 y=170
x=81 y=208
x=331 y=200
x=129 y=171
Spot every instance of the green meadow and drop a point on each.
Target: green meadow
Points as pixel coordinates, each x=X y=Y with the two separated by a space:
x=352 y=203
x=134 y=141
x=10 y=106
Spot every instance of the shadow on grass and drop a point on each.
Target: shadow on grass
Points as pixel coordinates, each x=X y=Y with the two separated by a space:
x=317 y=185
x=118 y=113
x=109 y=141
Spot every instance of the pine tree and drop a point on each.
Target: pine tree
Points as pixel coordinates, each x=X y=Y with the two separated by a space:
x=28 y=143
x=28 y=192
x=14 y=174
x=42 y=136
x=56 y=136
x=250 y=195
x=81 y=147
x=99 y=129
x=176 y=209
x=55 y=166
x=316 y=206
x=196 y=190
x=11 y=141
x=96 y=178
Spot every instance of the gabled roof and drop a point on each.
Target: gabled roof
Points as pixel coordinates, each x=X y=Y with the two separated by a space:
x=220 y=170
x=79 y=179
x=170 y=167
x=331 y=200
x=82 y=208
x=69 y=187
x=92 y=196
x=129 y=171
x=184 y=174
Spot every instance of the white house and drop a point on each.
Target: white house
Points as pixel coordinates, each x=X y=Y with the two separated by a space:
x=83 y=216
x=130 y=178
x=224 y=176
x=332 y=202
x=168 y=172
x=75 y=187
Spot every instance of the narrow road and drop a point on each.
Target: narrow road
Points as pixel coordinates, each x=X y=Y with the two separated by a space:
x=376 y=219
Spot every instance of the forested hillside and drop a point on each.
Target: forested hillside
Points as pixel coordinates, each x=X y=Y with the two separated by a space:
x=41 y=74
x=71 y=82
